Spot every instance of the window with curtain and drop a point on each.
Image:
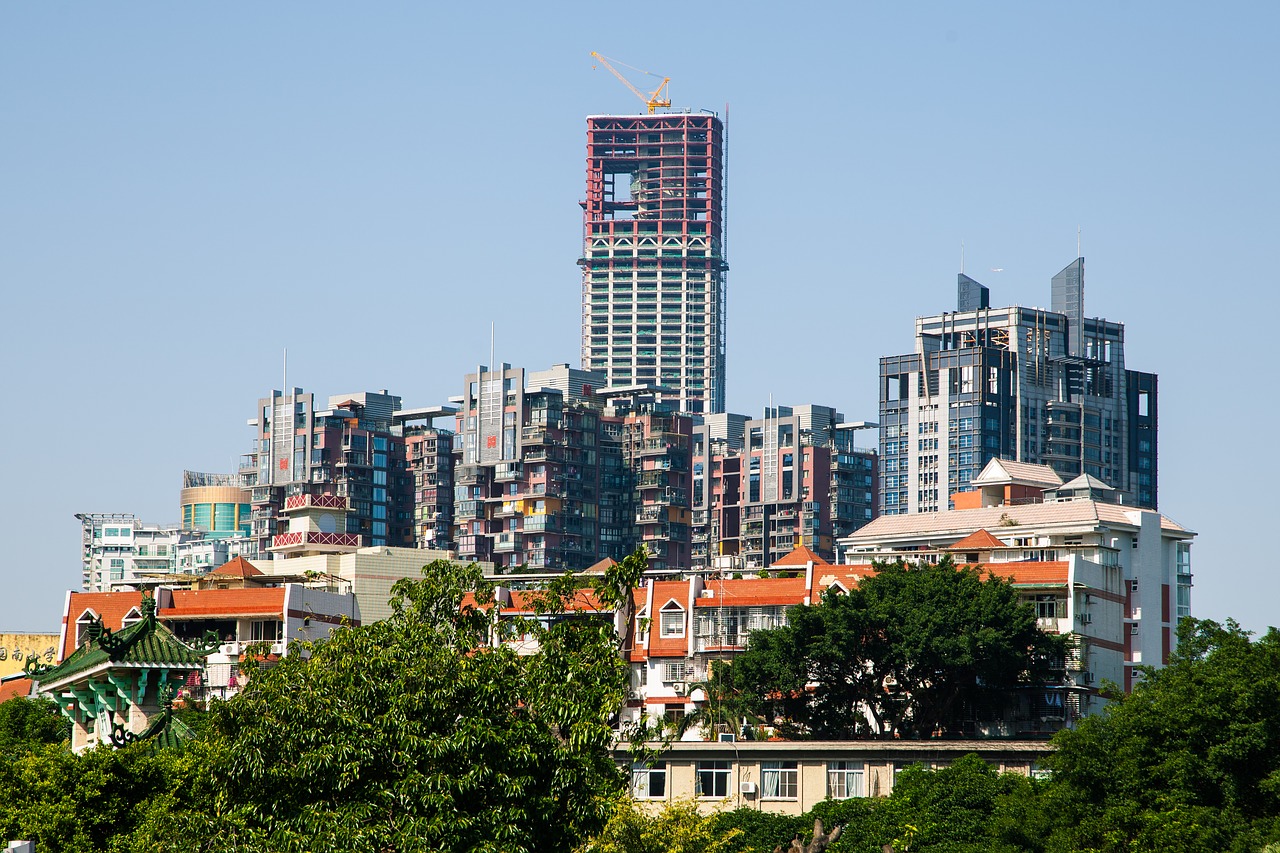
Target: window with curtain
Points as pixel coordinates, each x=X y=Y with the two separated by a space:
x=779 y=780
x=846 y=779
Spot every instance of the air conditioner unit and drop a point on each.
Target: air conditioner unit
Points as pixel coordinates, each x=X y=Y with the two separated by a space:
x=678 y=688
x=1086 y=618
x=748 y=789
x=727 y=737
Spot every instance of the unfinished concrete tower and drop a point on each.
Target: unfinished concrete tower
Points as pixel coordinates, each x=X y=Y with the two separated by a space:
x=653 y=267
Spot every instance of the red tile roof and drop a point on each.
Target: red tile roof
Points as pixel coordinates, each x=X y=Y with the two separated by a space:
x=14 y=688
x=799 y=557
x=584 y=601
x=203 y=603
x=1047 y=573
x=110 y=607
x=237 y=568
x=600 y=567
x=979 y=540
x=753 y=592
x=663 y=593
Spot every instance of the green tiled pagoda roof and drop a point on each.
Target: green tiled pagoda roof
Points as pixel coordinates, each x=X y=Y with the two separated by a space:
x=144 y=643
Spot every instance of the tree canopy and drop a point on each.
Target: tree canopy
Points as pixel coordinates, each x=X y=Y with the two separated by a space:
x=910 y=647
x=1190 y=760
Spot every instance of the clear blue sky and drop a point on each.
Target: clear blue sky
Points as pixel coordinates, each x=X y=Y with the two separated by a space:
x=188 y=189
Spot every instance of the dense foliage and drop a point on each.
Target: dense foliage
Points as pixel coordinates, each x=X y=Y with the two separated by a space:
x=912 y=647
x=419 y=734
x=1189 y=761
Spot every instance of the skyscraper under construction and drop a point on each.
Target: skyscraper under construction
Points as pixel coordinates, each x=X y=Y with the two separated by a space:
x=653 y=264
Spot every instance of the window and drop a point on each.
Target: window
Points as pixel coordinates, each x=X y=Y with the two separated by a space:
x=677 y=671
x=713 y=779
x=265 y=631
x=779 y=780
x=846 y=779
x=649 y=782
x=1046 y=607
x=672 y=620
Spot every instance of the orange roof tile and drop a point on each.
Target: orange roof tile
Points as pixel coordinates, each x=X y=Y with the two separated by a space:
x=1047 y=573
x=663 y=593
x=110 y=607
x=800 y=556
x=584 y=601
x=237 y=568
x=753 y=592
x=14 y=687
x=195 y=603
x=979 y=540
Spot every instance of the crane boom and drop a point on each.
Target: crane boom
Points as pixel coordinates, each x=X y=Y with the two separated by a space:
x=653 y=99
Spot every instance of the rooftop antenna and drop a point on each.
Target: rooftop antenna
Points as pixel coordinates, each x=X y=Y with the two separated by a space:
x=1077 y=241
x=284 y=376
x=961 y=257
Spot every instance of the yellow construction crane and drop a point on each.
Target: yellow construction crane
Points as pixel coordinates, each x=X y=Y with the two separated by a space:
x=652 y=100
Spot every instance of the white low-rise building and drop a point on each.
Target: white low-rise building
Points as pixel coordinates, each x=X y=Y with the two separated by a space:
x=1117 y=577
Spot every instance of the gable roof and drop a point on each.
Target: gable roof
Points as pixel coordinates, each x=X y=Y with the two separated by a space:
x=979 y=540
x=1006 y=471
x=144 y=644
x=110 y=607
x=1087 y=481
x=799 y=556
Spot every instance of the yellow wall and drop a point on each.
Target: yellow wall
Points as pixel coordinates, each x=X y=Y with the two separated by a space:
x=16 y=648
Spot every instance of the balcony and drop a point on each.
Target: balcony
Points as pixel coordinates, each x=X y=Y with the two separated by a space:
x=359 y=460
x=506 y=542
x=314 y=540
x=468 y=509
x=295 y=502
x=652 y=480
x=506 y=471
x=540 y=523
x=651 y=514
x=475 y=546
x=679 y=497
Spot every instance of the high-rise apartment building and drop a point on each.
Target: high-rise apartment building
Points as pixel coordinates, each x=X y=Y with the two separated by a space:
x=526 y=473
x=653 y=262
x=1048 y=387
x=550 y=475
x=763 y=487
x=353 y=449
x=429 y=457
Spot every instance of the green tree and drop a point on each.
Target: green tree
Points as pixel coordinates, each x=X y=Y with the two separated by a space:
x=911 y=646
x=965 y=808
x=678 y=828
x=420 y=732
x=82 y=803
x=30 y=723
x=1189 y=761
